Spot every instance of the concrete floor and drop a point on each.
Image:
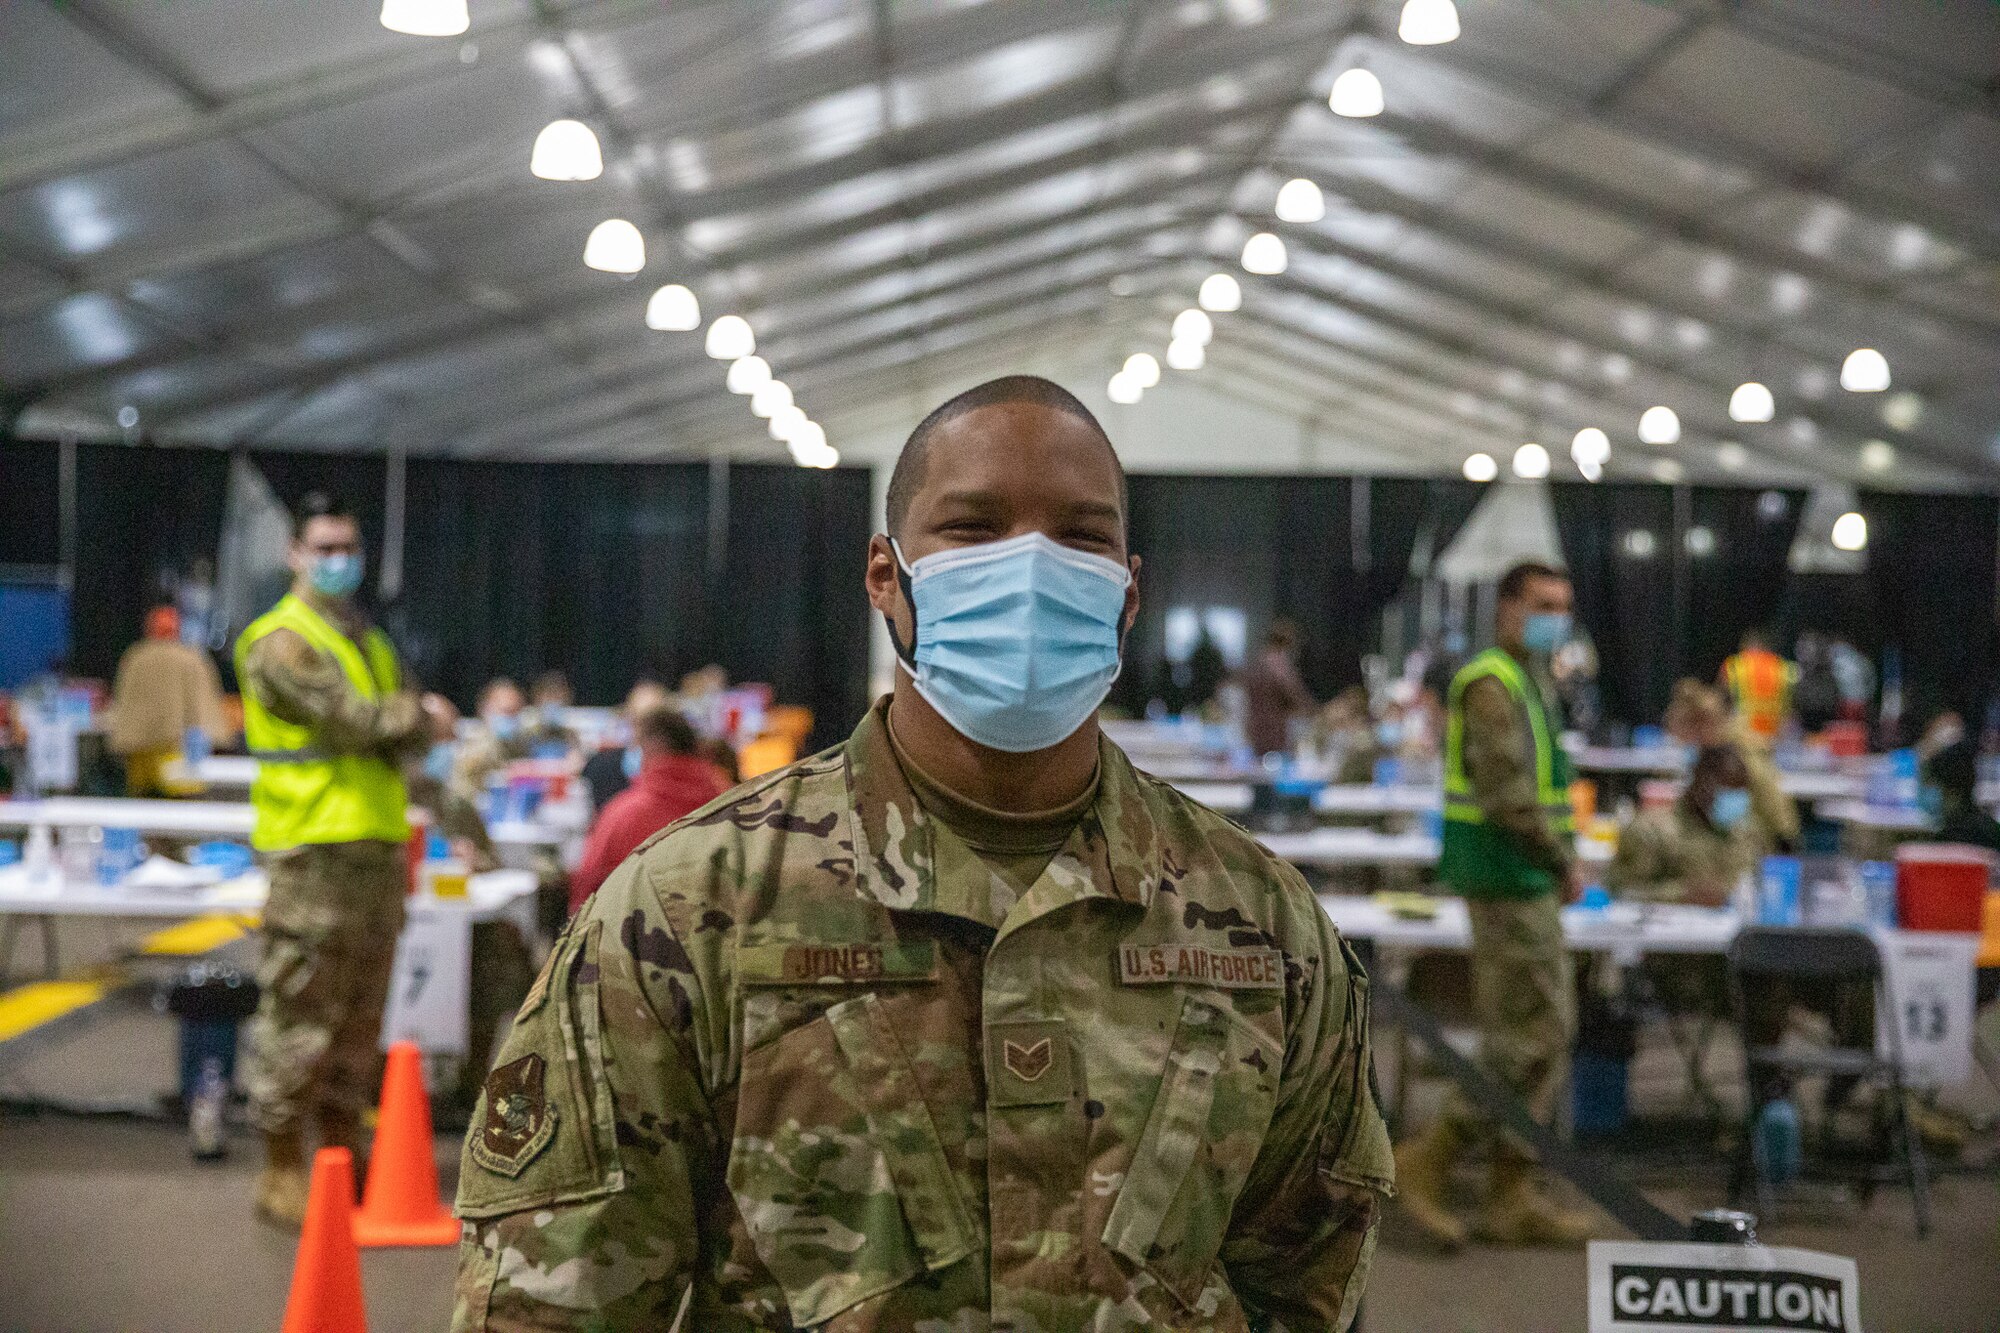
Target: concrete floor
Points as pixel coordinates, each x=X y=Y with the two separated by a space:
x=107 y=1226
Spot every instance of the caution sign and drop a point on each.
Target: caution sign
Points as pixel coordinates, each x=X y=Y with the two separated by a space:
x=1637 y=1287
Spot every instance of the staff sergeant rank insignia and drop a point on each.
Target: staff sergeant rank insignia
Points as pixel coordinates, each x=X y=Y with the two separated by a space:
x=519 y=1121
x=1229 y=969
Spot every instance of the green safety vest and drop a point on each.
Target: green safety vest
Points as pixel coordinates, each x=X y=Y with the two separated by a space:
x=304 y=793
x=1477 y=859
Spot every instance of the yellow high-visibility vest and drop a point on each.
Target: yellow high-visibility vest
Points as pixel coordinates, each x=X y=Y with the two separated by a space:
x=304 y=793
x=1477 y=859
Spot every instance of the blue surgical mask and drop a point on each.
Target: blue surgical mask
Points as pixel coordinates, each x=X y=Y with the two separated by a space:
x=1016 y=640
x=504 y=725
x=336 y=575
x=633 y=760
x=1545 y=631
x=1730 y=807
x=437 y=764
x=1389 y=734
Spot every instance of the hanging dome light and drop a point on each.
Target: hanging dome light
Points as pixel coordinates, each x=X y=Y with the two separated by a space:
x=1183 y=354
x=566 y=150
x=673 y=309
x=1531 y=462
x=1878 y=456
x=1903 y=410
x=1590 y=451
x=426 y=18
x=786 y=421
x=1659 y=425
x=1264 y=253
x=747 y=374
x=1481 y=467
x=1357 y=94
x=1751 y=402
x=1300 y=201
x=1142 y=369
x=1865 y=371
x=1850 y=532
x=1731 y=455
x=615 y=246
x=1193 y=326
x=730 y=337
x=1123 y=391
x=773 y=397
x=1221 y=293
x=1428 y=22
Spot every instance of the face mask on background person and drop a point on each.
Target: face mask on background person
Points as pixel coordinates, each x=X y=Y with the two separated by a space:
x=336 y=575
x=1729 y=807
x=633 y=760
x=504 y=725
x=437 y=763
x=1545 y=631
x=1389 y=734
x=1016 y=640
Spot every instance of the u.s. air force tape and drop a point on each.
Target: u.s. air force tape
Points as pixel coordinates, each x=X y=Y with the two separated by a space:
x=1228 y=969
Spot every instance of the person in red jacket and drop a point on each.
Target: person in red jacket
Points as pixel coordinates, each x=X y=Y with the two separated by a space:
x=674 y=780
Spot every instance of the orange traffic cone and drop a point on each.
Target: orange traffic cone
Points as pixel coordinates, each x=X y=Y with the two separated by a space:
x=326 y=1276
x=400 y=1205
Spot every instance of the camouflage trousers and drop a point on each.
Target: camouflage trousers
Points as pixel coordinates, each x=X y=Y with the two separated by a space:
x=1524 y=996
x=330 y=930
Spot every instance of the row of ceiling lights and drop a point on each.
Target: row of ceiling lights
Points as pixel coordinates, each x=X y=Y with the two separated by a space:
x=567 y=150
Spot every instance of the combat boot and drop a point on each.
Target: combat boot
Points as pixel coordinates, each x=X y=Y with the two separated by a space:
x=1517 y=1211
x=1423 y=1184
x=282 y=1188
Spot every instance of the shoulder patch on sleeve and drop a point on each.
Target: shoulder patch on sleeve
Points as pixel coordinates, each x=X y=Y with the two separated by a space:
x=519 y=1121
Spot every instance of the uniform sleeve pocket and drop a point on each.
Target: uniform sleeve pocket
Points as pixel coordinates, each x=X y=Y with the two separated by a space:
x=1153 y=1220
x=836 y=1166
x=543 y=1131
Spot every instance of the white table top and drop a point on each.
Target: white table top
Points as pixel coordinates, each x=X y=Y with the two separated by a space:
x=487 y=895
x=1340 y=798
x=1327 y=847
x=235 y=771
x=1896 y=817
x=209 y=819
x=1621 y=928
x=1668 y=759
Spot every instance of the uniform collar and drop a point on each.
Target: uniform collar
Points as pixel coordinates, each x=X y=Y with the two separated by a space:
x=1114 y=852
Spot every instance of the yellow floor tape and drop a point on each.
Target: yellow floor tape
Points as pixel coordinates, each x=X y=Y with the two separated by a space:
x=28 y=1007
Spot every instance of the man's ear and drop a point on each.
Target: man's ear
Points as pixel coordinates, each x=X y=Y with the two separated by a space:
x=884 y=593
x=1131 y=614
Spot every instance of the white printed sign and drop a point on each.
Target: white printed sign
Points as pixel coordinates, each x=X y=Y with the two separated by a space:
x=51 y=754
x=1931 y=984
x=1642 y=1287
x=428 y=988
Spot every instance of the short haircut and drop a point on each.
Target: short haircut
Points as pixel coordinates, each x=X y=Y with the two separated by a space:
x=1514 y=583
x=318 y=504
x=550 y=682
x=908 y=476
x=494 y=686
x=1722 y=766
x=663 y=725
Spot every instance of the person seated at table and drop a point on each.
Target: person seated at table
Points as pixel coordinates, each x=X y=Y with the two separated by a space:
x=1700 y=716
x=495 y=740
x=1695 y=850
x=164 y=689
x=1954 y=771
x=612 y=768
x=1346 y=734
x=542 y=723
x=674 y=780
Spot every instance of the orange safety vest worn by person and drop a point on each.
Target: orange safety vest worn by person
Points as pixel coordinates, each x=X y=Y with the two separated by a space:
x=1760 y=684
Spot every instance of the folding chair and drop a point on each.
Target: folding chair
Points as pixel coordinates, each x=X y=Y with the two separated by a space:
x=1772 y=960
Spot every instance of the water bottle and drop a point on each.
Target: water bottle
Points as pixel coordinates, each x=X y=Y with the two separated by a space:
x=1779 y=1152
x=194 y=749
x=206 y=1135
x=38 y=859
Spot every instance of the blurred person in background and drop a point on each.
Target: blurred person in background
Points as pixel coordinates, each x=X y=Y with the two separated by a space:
x=497 y=739
x=328 y=717
x=1347 y=736
x=164 y=689
x=674 y=780
x=1760 y=684
x=1273 y=694
x=1953 y=770
x=1696 y=850
x=612 y=768
x=1700 y=716
x=544 y=724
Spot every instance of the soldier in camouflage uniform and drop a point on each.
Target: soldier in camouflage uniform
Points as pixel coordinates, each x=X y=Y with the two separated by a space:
x=325 y=714
x=880 y=1043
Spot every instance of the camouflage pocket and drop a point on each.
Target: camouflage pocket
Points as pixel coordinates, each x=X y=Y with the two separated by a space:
x=837 y=1168
x=1200 y=1140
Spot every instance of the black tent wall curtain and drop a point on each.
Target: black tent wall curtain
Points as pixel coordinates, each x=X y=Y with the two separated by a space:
x=1931 y=572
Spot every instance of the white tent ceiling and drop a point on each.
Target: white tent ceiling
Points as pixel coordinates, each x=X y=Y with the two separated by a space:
x=275 y=222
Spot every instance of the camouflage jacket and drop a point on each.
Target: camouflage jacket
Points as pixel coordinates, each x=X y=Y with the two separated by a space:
x=801 y=1063
x=1664 y=855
